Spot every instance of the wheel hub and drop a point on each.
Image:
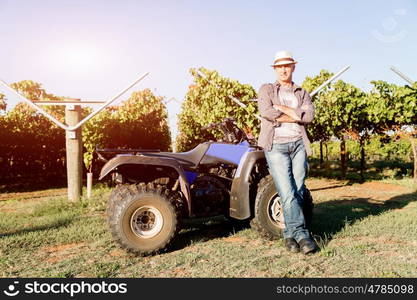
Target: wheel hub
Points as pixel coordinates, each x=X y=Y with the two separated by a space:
x=275 y=211
x=146 y=222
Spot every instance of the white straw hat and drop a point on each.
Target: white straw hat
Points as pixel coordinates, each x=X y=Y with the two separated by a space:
x=283 y=58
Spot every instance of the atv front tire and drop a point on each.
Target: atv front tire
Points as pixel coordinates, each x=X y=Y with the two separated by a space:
x=269 y=218
x=143 y=219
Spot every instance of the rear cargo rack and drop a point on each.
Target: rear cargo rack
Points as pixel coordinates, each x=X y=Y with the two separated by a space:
x=105 y=154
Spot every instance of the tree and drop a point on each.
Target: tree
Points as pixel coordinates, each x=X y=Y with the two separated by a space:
x=3 y=103
x=318 y=130
x=140 y=122
x=30 y=141
x=4 y=131
x=207 y=101
x=344 y=115
x=340 y=112
x=394 y=108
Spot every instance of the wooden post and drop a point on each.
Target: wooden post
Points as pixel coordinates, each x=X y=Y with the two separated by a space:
x=89 y=184
x=414 y=149
x=321 y=154
x=74 y=151
x=343 y=157
x=362 y=146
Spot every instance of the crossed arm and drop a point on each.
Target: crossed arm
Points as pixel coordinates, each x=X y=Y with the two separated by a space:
x=288 y=116
x=281 y=113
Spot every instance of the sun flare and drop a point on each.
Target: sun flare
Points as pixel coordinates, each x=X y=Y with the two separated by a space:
x=79 y=58
x=76 y=58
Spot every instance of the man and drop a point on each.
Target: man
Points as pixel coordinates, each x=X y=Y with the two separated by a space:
x=285 y=108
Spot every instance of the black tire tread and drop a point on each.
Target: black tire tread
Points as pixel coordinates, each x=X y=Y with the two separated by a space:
x=255 y=222
x=121 y=198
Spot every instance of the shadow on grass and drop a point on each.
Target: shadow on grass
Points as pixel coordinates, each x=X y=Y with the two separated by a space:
x=332 y=216
x=202 y=230
x=53 y=225
x=22 y=186
x=330 y=187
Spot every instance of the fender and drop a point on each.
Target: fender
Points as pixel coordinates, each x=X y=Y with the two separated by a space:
x=119 y=160
x=239 y=195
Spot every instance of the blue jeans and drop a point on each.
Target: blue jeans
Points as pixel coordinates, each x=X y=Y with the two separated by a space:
x=288 y=166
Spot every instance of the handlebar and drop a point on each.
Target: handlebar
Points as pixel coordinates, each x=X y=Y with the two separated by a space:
x=231 y=132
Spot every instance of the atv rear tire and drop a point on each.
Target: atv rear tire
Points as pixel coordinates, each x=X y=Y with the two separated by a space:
x=268 y=219
x=143 y=219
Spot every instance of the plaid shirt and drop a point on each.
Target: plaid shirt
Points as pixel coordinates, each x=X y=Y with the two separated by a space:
x=268 y=96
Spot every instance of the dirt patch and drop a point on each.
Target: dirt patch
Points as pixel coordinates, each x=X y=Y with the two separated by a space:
x=118 y=253
x=382 y=186
x=29 y=196
x=58 y=253
x=63 y=247
x=325 y=184
x=235 y=239
x=56 y=259
x=179 y=272
x=8 y=210
x=349 y=200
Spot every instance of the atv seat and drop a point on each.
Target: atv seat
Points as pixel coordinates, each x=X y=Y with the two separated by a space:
x=189 y=159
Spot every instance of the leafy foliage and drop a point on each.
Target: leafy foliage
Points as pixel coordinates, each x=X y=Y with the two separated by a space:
x=140 y=122
x=339 y=112
x=28 y=140
x=378 y=147
x=32 y=146
x=340 y=108
x=208 y=101
x=3 y=103
x=391 y=106
x=318 y=129
x=394 y=108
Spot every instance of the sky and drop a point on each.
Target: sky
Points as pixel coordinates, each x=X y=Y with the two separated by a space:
x=92 y=49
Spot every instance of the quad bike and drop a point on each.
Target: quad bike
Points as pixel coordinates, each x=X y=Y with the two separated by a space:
x=155 y=191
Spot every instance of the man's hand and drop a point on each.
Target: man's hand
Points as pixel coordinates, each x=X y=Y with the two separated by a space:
x=289 y=111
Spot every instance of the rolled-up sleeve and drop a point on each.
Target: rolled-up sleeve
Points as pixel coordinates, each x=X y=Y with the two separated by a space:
x=306 y=110
x=265 y=104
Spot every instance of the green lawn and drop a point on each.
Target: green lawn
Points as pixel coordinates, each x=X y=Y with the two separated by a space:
x=364 y=230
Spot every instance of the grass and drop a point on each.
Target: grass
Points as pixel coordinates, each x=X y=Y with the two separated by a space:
x=406 y=182
x=374 y=170
x=364 y=230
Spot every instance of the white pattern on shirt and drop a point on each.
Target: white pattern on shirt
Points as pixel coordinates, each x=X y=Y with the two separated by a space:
x=287 y=131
